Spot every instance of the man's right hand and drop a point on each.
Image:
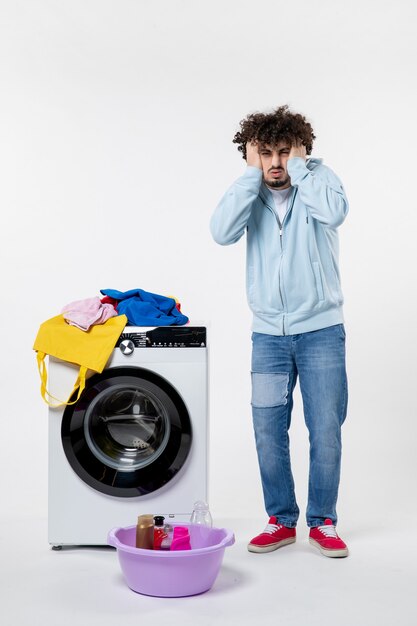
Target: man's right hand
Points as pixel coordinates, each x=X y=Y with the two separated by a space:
x=252 y=155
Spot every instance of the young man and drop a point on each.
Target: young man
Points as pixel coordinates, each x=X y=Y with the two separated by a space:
x=290 y=207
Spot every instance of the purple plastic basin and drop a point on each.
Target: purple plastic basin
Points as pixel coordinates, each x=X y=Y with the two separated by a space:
x=173 y=574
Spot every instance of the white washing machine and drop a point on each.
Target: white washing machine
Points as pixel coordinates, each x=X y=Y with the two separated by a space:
x=136 y=440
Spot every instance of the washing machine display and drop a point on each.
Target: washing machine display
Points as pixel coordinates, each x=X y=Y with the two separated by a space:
x=129 y=434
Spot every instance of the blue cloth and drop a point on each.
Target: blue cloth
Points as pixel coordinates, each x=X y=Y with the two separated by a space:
x=318 y=358
x=143 y=308
x=292 y=280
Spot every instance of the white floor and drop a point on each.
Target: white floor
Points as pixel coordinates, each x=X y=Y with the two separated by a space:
x=295 y=585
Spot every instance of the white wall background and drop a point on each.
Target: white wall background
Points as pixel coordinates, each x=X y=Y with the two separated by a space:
x=116 y=121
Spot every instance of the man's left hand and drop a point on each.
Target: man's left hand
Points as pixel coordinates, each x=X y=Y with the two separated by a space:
x=298 y=150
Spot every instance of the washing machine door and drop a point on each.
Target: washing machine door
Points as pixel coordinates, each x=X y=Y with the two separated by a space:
x=129 y=433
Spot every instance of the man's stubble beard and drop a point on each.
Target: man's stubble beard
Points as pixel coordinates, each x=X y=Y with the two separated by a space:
x=277 y=184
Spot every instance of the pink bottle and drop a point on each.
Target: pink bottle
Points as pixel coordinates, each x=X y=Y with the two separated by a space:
x=181 y=539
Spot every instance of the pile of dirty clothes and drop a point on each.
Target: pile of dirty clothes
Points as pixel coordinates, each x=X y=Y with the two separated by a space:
x=102 y=320
x=142 y=308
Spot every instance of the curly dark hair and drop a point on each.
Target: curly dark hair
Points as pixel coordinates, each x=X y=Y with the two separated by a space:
x=271 y=128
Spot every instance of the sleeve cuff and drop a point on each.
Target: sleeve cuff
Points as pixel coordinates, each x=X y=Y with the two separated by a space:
x=253 y=172
x=297 y=169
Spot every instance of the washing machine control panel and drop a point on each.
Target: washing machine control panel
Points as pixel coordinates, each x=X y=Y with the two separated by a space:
x=163 y=337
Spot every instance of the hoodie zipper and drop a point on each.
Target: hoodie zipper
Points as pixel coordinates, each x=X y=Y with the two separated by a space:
x=281 y=228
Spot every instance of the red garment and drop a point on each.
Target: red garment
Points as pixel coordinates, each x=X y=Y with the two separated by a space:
x=108 y=300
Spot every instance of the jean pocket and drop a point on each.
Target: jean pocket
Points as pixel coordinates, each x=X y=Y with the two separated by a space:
x=269 y=389
x=342 y=331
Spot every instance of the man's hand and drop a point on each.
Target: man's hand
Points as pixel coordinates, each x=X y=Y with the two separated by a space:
x=298 y=150
x=252 y=154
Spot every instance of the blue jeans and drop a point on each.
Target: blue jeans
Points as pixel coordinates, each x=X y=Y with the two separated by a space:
x=318 y=358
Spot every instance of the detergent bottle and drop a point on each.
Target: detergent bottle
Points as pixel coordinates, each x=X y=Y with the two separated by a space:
x=181 y=539
x=160 y=534
x=144 y=532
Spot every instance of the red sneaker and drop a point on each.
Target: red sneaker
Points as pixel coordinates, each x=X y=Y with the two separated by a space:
x=326 y=539
x=273 y=537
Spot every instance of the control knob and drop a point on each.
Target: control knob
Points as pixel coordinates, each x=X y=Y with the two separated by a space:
x=127 y=346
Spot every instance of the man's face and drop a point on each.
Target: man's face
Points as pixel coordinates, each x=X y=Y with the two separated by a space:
x=274 y=164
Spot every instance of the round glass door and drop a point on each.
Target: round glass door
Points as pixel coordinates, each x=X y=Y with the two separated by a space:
x=129 y=433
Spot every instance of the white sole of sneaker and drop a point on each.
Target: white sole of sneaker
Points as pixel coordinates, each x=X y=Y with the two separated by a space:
x=331 y=553
x=273 y=546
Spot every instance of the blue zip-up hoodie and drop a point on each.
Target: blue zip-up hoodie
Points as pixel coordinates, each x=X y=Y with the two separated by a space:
x=292 y=271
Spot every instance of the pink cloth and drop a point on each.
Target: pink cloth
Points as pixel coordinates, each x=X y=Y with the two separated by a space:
x=86 y=313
